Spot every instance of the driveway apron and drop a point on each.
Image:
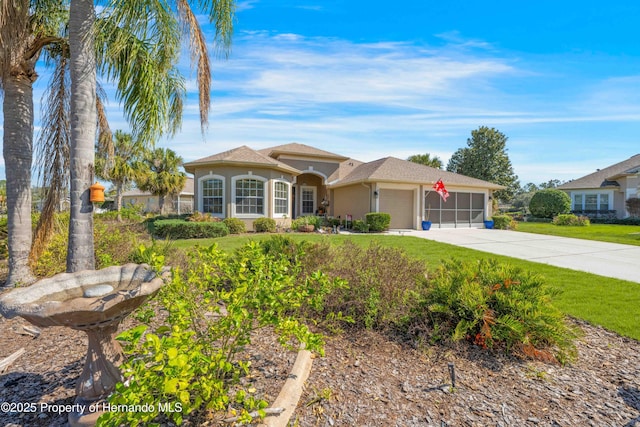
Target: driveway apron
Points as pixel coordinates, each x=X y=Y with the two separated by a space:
x=606 y=259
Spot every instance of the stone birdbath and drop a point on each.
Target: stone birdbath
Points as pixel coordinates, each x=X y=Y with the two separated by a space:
x=94 y=301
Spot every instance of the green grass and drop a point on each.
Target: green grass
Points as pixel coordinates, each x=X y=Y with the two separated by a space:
x=626 y=234
x=611 y=303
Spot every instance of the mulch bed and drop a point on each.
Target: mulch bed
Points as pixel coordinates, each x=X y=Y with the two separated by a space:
x=367 y=379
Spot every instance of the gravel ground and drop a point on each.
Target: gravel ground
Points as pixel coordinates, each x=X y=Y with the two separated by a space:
x=365 y=379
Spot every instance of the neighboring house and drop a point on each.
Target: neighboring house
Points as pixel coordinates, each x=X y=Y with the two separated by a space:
x=180 y=203
x=605 y=192
x=293 y=180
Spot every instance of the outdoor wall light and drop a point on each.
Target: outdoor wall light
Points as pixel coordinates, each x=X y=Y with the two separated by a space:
x=375 y=194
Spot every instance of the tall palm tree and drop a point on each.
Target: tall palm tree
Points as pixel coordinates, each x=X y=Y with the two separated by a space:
x=83 y=75
x=123 y=168
x=160 y=175
x=26 y=28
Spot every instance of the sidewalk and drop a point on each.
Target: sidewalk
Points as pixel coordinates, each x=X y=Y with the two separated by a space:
x=606 y=259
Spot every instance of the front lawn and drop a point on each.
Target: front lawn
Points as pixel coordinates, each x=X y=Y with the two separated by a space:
x=612 y=303
x=625 y=234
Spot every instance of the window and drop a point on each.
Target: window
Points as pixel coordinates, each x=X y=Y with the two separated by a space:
x=281 y=198
x=577 y=202
x=604 y=202
x=308 y=197
x=249 y=196
x=591 y=202
x=213 y=196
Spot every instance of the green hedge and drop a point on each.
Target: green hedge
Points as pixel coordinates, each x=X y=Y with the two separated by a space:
x=235 y=225
x=378 y=221
x=264 y=225
x=180 y=229
x=571 y=220
x=504 y=222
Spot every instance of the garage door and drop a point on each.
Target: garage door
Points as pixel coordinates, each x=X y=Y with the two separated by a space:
x=462 y=209
x=398 y=203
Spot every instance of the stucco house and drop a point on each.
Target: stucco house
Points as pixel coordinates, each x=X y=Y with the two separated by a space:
x=179 y=203
x=605 y=191
x=292 y=180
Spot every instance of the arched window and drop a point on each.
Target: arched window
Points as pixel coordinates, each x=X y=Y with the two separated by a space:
x=280 y=198
x=212 y=195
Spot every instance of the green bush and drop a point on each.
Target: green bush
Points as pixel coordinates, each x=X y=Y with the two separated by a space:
x=378 y=221
x=571 y=220
x=314 y=220
x=504 y=222
x=264 y=225
x=194 y=361
x=492 y=304
x=360 y=226
x=113 y=245
x=235 y=225
x=181 y=229
x=380 y=282
x=549 y=203
x=202 y=217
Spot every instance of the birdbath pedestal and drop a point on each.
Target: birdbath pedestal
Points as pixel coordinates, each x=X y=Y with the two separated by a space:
x=93 y=301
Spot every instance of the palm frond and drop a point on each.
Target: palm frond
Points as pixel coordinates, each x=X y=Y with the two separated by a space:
x=53 y=151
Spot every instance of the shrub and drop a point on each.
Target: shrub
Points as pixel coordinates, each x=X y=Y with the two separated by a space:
x=300 y=222
x=202 y=217
x=193 y=361
x=235 y=225
x=549 y=203
x=314 y=220
x=180 y=229
x=633 y=206
x=378 y=221
x=360 y=226
x=571 y=220
x=380 y=283
x=113 y=243
x=504 y=222
x=264 y=225
x=128 y=212
x=492 y=304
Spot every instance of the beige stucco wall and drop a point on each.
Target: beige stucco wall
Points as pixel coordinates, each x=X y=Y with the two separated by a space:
x=354 y=200
x=228 y=173
x=323 y=168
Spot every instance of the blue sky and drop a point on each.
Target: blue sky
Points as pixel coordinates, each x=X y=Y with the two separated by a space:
x=370 y=79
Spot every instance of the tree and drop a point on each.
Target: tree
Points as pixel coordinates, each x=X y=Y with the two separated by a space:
x=83 y=75
x=160 y=174
x=123 y=167
x=552 y=183
x=26 y=28
x=485 y=157
x=427 y=160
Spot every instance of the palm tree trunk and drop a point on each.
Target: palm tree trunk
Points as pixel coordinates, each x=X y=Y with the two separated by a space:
x=18 y=150
x=119 y=191
x=80 y=255
x=161 y=204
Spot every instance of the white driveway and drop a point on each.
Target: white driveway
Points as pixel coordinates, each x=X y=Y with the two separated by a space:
x=606 y=259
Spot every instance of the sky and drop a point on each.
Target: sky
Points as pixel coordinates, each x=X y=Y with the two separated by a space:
x=370 y=79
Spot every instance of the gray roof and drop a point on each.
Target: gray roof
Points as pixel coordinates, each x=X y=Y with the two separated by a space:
x=300 y=149
x=240 y=156
x=605 y=177
x=391 y=169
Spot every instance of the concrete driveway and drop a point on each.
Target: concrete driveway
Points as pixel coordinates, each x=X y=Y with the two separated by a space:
x=606 y=259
